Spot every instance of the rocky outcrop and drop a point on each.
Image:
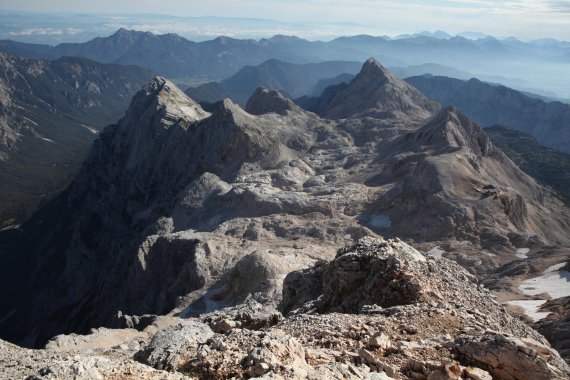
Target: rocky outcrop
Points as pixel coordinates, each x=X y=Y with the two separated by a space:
x=250 y=315
x=173 y=347
x=445 y=326
x=509 y=358
x=555 y=327
x=367 y=273
x=19 y=363
x=374 y=274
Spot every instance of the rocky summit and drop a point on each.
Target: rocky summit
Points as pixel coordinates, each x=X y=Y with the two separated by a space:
x=252 y=243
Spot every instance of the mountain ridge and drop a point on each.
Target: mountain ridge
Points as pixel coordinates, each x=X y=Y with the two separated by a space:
x=174 y=204
x=52 y=111
x=198 y=62
x=489 y=104
x=375 y=89
x=291 y=79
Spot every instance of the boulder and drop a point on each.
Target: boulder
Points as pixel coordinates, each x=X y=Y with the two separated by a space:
x=368 y=272
x=172 y=347
x=510 y=358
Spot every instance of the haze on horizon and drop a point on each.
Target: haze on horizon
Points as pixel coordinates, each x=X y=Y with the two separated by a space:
x=320 y=19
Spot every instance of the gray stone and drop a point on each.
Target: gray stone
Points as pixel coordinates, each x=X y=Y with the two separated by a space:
x=172 y=347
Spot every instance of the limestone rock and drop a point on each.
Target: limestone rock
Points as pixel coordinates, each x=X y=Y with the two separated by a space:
x=369 y=272
x=509 y=358
x=250 y=315
x=379 y=341
x=264 y=101
x=376 y=89
x=172 y=347
x=100 y=338
x=80 y=364
x=100 y=368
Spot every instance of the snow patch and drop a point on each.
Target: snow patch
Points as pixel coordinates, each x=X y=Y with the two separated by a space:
x=522 y=253
x=531 y=308
x=436 y=252
x=553 y=281
x=90 y=129
x=31 y=121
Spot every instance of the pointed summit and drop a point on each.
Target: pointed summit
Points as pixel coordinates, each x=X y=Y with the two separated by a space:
x=125 y=35
x=373 y=69
x=122 y=32
x=377 y=90
x=159 y=94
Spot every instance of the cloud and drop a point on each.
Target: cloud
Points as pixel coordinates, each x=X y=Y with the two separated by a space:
x=523 y=18
x=46 y=32
x=559 y=6
x=38 y=32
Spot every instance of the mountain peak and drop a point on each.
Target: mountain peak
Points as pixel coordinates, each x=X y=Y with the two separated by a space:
x=159 y=94
x=450 y=129
x=122 y=33
x=373 y=69
x=264 y=100
x=377 y=90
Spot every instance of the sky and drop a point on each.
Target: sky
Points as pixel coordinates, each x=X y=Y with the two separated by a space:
x=523 y=19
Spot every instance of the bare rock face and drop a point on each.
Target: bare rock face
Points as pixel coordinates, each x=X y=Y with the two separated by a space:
x=435 y=322
x=372 y=273
x=509 y=358
x=171 y=348
x=264 y=101
x=80 y=364
x=448 y=179
x=555 y=326
x=249 y=315
x=147 y=202
x=376 y=89
x=256 y=276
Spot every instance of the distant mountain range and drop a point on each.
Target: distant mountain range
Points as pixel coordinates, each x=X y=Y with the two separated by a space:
x=295 y=80
x=488 y=104
x=51 y=111
x=194 y=62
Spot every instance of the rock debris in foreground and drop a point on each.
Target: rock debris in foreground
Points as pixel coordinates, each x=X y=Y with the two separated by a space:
x=436 y=323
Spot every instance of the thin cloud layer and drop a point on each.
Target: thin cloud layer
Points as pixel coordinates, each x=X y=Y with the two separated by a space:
x=524 y=19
